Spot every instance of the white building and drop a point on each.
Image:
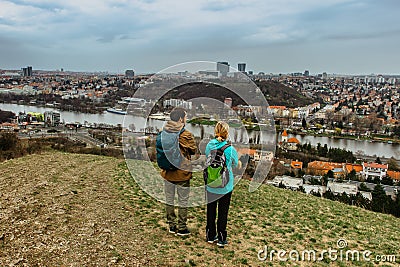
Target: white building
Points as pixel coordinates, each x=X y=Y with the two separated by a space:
x=178 y=103
x=340 y=188
x=366 y=195
x=133 y=101
x=314 y=188
x=287 y=181
x=374 y=170
x=52 y=118
x=303 y=112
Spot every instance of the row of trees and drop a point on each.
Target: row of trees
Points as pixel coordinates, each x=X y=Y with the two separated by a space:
x=12 y=147
x=6 y=116
x=396 y=131
x=334 y=154
x=380 y=202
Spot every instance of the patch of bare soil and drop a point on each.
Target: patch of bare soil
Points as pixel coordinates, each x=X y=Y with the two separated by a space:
x=62 y=210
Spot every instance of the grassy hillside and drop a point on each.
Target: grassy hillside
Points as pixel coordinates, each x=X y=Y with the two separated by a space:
x=83 y=210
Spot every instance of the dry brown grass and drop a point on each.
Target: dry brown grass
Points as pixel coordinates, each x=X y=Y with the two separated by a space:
x=61 y=209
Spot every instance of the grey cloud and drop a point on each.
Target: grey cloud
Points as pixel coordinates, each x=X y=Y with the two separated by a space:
x=7 y=22
x=363 y=36
x=218 y=6
x=106 y=39
x=127 y=37
x=13 y=53
x=158 y=40
x=45 y=6
x=8 y=42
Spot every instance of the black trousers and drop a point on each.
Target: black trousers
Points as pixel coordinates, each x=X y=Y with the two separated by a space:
x=214 y=201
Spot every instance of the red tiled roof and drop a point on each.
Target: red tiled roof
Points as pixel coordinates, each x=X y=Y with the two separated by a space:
x=296 y=164
x=394 y=175
x=324 y=165
x=356 y=167
x=293 y=140
x=320 y=165
x=375 y=165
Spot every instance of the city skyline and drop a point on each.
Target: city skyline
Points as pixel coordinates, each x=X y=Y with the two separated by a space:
x=343 y=37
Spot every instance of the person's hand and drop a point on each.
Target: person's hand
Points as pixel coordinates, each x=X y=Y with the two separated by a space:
x=239 y=166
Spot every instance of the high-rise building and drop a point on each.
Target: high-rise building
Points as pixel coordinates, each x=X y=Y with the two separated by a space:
x=24 y=72
x=306 y=73
x=129 y=73
x=223 y=68
x=242 y=67
x=27 y=72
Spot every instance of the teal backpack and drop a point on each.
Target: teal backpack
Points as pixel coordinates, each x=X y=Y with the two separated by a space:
x=169 y=156
x=216 y=173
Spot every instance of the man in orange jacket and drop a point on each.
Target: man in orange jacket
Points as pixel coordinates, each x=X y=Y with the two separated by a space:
x=179 y=180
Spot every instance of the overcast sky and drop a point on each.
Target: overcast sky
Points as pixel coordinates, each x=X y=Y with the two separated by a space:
x=336 y=36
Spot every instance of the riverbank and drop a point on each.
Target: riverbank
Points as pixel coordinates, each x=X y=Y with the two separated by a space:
x=88 y=109
x=376 y=138
x=255 y=127
x=365 y=147
x=233 y=124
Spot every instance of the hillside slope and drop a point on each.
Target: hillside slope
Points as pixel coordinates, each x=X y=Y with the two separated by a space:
x=61 y=209
x=278 y=94
x=275 y=93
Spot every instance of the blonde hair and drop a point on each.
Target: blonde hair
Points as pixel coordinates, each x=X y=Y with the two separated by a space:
x=221 y=131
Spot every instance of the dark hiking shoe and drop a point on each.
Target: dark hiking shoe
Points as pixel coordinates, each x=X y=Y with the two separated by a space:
x=212 y=240
x=222 y=243
x=172 y=229
x=183 y=232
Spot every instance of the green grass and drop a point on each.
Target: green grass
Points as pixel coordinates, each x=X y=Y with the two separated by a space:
x=278 y=218
x=93 y=206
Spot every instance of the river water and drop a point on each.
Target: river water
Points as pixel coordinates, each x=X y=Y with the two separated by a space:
x=375 y=149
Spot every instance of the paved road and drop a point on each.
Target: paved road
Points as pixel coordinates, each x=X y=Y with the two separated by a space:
x=82 y=136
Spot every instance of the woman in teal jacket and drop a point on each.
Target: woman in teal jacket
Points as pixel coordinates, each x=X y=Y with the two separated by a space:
x=220 y=197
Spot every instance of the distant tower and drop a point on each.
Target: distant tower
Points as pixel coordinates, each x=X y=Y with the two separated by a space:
x=29 y=71
x=324 y=76
x=306 y=73
x=24 y=72
x=223 y=68
x=129 y=73
x=242 y=67
x=284 y=136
